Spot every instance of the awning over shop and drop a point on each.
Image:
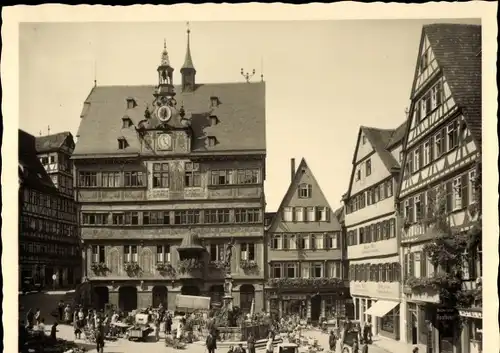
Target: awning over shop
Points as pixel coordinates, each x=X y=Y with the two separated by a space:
x=381 y=308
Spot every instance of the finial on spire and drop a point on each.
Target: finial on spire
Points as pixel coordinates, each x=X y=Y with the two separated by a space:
x=188 y=61
x=164 y=55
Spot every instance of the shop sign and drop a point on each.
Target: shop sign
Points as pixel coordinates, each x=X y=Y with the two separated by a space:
x=471 y=313
x=375 y=289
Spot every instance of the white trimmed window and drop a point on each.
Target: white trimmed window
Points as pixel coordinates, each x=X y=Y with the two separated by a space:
x=416 y=160
x=98 y=253
x=358 y=175
x=416 y=264
x=276 y=270
x=318 y=241
x=317 y=270
x=457 y=193
x=276 y=242
x=472 y=186
x=163 y=253
x=368 y=167
x=247 y=251
x=130 y=252
x=292 y=241
x=299 y=214
x=427 y=153
x=305 y=269
x=452 y=135
x=438 y=145
x=437 y=95
x=292 y=270
x=287 y=214
x=305 y=191
x=418 y=208
x=407 y=209
x=311 y=215
x=321 y=214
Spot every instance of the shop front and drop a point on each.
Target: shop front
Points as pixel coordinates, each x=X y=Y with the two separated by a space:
x=472 y=332
x=378 y=303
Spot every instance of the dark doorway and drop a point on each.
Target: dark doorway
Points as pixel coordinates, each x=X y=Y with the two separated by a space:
x=101 y=297
x=315 y=308
x=160 y=296
x=190 y=290
x=247 y=296
x=60 y=278
x=127 y=298
x=414 y=328
x=216 y=295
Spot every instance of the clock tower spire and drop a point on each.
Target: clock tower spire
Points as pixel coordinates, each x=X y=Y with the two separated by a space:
x=165 y=74
x=188 y=71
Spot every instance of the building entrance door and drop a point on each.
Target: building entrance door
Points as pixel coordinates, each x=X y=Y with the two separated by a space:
x=315 y=308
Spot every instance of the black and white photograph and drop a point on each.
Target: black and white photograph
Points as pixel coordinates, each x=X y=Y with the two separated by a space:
x=232 y=184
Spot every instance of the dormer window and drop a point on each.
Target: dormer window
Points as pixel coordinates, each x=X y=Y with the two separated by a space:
x=122 y=143
x=212 y=141
x=363 y=139
x=213 y=120
x=305 y=191
x=131 y=104
x=126 y=122
x=214 y=101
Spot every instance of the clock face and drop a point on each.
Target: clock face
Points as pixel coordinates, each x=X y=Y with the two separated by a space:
x=164 y=113
x=164 y=142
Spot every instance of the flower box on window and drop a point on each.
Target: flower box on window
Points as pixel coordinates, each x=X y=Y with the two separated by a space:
x=165 y=269
x=218 y=264
x=188 y=265
x=249 y=266
x=99 y=268
x=132 y=268
x=304 y=282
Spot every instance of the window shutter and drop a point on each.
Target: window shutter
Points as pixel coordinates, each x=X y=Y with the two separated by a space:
x=422 y=205
x=449 y=196
x=421 y=155
x=431 y=150
x=465 y=190
x=406 y=265
x=411 y=216
x=443 y=140
x=423 y=264
x=411 y=264
x=327 y=214
x=309 y=190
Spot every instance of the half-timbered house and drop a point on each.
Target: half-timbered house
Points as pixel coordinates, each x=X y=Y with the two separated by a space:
x=441 y=151
x=167 y=177
x=305 y=274
x=49 y=246
x=371 y=228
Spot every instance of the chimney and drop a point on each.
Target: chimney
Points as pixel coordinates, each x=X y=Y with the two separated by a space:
x=292 y=168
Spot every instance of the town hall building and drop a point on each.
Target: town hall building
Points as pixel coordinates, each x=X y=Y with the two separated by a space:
x=168 y=177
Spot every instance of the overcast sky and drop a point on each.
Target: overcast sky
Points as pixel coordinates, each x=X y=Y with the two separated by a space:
x=323 y=79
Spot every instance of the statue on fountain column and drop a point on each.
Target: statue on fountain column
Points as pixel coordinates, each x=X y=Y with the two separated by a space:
x=228 y=255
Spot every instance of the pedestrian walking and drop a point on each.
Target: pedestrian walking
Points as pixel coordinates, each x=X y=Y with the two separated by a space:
x=99 y=336
x=157 y=327
x=211 y=343
x=60 y=310
x=365 y=348
x=251 y=343
x=332 y=340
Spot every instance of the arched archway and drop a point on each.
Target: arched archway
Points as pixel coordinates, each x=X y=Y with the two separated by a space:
x=160 y=296
x=247 y=296
x=101 y=297
x=127 y=298
x=216 y=294
x=190 y=290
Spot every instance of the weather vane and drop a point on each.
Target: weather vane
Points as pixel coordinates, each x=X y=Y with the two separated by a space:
x=247 y=76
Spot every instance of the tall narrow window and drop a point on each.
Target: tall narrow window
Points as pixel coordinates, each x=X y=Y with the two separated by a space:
x=438 y=145
x=368 y=167
x=276 y=242
x=288 y=214
x=472 y=186
x=418 y=208
x=192 y=176
x=321 y=214
x=457 y=193
x=276 y=270
x=452 y=135
x=424 y=62
x=427 y=103
x=427 y=153
x=437 y=94
x=247 y=251
x=311 y=215
x=163 y=253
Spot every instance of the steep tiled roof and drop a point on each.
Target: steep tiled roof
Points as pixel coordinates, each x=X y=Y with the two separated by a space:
x=379 y=139
x=457 y=49
x=398 y=136
x=31 y=172
x=332 y=225
x=51 y=142
x=241 y=115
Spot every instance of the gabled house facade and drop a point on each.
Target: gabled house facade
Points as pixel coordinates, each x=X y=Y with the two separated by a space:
x=305 y=272
x=170 y=181
x=442 y=151
x=372 y=232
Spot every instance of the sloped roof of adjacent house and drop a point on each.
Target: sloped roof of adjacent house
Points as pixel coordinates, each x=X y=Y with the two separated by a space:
x=332 y=225
x=382 y=141
x=51 y=142
x=240 y=113
x=457 y=49
x=339 y=213
x=31 y=171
